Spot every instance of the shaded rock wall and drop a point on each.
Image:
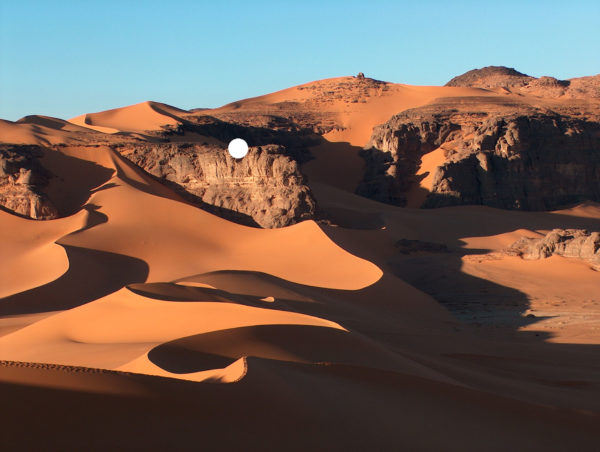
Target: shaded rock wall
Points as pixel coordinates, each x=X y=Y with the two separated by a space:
x=529 y=161
x=22 y=181
x=265 y=188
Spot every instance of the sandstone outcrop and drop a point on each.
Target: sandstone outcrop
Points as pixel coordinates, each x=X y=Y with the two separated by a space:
x=575 y=243
x=512 y=81
x=491 y=77
x=506 y=156
x=507 y=148
x=265 y=188
x=22 y=181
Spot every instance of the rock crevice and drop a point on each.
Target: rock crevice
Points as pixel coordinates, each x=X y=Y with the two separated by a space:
x=528 y=160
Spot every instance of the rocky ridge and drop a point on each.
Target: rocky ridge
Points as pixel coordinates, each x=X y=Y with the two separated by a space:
x=507 y=150
x=512 y=81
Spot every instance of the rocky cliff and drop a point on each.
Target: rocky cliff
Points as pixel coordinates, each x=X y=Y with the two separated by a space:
x=22 y=181
x=265 y=188
x=506 y=156
x=520 y=142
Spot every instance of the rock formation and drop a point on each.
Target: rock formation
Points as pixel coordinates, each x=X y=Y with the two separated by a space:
x=575 y=243
x=265 y=188
x=506 y=156
x=22 y=180
x=510 y=148
x=491 y=77
x=510 y=80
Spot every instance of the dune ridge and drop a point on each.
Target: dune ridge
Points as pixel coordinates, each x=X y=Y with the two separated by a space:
x=376 y=327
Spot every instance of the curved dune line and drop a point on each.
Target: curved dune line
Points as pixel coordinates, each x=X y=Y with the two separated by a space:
x=114 y=329
x=133 y=118
x=85 y=121
x=301 y=253
x=233 y=373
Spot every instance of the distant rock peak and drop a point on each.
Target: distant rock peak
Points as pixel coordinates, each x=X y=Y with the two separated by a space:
x=513 y=81
x=490 y=77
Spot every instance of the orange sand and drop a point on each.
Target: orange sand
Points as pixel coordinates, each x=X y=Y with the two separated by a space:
x=311 y=332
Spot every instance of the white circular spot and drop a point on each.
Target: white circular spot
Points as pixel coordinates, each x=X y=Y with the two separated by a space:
x=238 y=148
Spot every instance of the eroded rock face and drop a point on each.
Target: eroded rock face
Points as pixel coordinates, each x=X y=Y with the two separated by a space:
x=575 y=243
x=265 y=188
x=529 y=160
x=512 y=81
x=491 y=77
x=22 y=181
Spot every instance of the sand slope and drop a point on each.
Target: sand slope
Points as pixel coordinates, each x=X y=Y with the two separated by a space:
x=135 y=118
x=139 y=321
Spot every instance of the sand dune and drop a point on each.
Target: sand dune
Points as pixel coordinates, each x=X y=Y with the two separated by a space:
x=30 y=256
x=100 y=242
x=357 y=118
x=33 y=130
x=151 y=234
x=135 y=118
x=157 y=316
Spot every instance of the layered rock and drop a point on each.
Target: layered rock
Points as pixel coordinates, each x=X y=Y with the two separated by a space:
x=512 y=81
x=491 y=77
x=508 y=156
x=574 y=243
x=22 y=183
x=265 y=188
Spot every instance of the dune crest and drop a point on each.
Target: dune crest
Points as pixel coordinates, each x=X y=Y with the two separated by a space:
x=134 y=118
x=181 y=297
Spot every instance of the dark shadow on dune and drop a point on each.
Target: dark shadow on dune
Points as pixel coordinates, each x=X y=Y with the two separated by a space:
x=104 y=187
x=440 y=275
x=182 y=293
x=95 y=217
x=91 y=275
x=250 y=288
x=468 y=298
x=298 y=343
x=353 y=219
x=174 y=292
x=74 y=180
x=417 y=195
x=489 y=316
x=218 y=349
x=45 y=121
x=279 y=406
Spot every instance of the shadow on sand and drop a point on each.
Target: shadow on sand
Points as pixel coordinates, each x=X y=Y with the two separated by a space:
x=91 y=275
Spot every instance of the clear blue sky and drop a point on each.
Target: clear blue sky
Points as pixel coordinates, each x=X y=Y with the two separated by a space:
x=65 y=58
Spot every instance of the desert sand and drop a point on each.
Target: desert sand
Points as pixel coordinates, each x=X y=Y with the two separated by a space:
x=139 y=321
